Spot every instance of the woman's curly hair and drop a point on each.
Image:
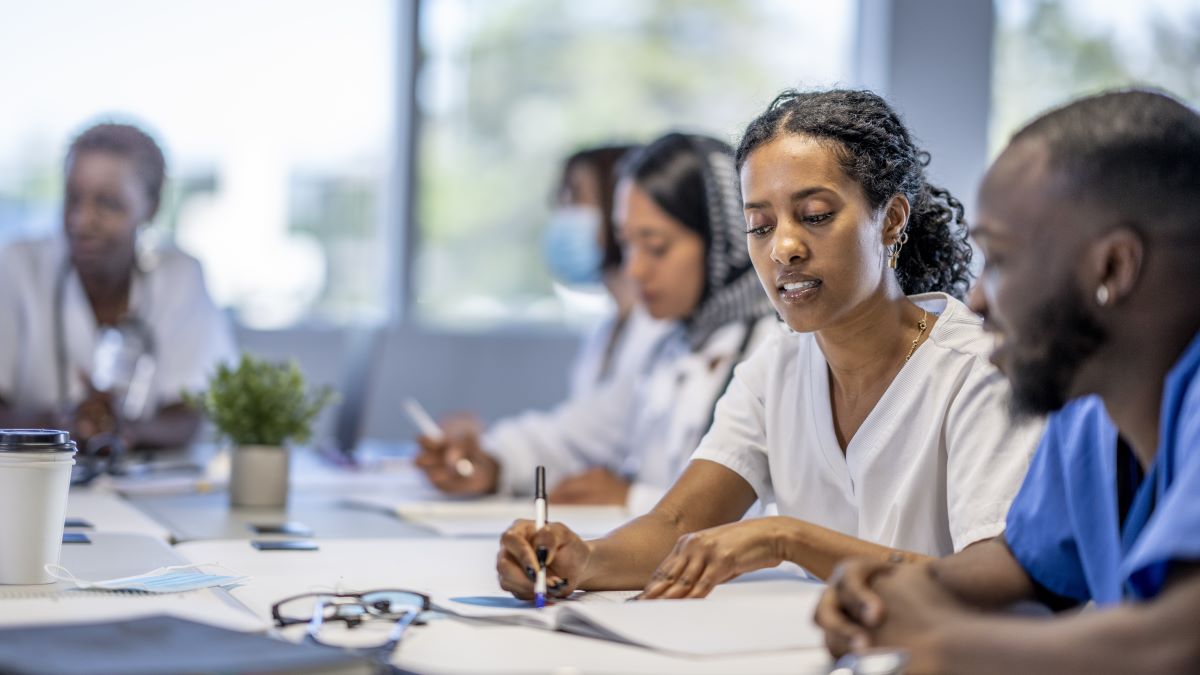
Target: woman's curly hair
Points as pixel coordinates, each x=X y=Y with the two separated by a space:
x=875 y=149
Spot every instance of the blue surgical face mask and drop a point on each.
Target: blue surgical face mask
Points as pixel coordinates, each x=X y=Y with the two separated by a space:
x=175 y=579
x=571 y=245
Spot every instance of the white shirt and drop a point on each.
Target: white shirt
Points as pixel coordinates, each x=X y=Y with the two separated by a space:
x=643 y=424
x=191 y=336
x=932 y=469
x=639 y=336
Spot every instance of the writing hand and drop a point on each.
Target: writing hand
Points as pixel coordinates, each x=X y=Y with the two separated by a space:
x=456 y=464
x=517 y=561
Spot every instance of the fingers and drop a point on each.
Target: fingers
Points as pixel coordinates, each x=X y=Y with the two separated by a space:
x=431 y=454
x=685 y=581
x=516 y=540
x=517 y=563
x=852 y=584
x=513 y=577
x=668 y=571
x=841 y=634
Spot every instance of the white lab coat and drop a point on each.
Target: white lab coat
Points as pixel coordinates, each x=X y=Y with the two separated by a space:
x=644 y=424
x=639 y=336
x=932 y=469
x=191 y=336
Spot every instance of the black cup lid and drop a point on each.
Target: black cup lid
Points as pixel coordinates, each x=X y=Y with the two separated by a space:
x=35 y=440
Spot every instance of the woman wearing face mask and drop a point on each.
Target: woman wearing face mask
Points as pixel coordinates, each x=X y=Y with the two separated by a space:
x=878 y=427
x=581 y=249
x=679 y=220
x=99 y=334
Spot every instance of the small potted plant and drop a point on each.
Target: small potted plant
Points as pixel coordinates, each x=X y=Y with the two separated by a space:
x=259 y=407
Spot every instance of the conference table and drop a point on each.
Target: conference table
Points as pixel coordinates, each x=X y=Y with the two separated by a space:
x=380 y=526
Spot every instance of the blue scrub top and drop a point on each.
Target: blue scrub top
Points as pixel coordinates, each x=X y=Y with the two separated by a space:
x=1064 y=526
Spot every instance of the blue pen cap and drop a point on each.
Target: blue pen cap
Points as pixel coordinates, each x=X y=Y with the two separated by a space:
x=35 y=440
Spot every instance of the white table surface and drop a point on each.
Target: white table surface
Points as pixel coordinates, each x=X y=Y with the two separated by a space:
x=114 y=556
x=109 y=512
x=444 y=567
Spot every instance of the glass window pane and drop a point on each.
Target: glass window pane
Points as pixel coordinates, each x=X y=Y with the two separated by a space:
x=276 y=116
x=509 y=87
x=1050 y=51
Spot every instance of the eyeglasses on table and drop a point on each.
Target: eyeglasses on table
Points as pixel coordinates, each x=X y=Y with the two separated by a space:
x=318 y=610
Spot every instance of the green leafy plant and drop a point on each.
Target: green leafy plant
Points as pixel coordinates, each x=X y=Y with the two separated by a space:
x=261 y=403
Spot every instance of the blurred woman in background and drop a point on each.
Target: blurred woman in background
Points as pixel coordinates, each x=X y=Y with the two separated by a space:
x=581 y=249
x=102 y=335
x=679 y=217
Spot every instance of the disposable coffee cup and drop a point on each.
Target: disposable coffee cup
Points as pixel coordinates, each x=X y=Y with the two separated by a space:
x=35 y=477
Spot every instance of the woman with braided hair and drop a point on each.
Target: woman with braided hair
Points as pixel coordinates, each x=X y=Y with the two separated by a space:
x=877 y=426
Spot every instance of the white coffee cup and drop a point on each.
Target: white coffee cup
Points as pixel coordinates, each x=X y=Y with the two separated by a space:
x=35 y=477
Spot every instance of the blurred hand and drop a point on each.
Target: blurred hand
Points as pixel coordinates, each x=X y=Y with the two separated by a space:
x=919 y=611
x=95 y=415
x=703 y=559
x=850 y=607
x=594 y=486
x=457 y=465
x=516 y=564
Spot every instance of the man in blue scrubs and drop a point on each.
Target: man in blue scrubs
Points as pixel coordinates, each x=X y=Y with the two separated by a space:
x=1090 y=226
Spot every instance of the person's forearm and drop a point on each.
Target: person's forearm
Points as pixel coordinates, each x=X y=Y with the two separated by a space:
x=819 y=550
x=985 y=575
x=1124 y=640
x=627 y=556
x=171 y=427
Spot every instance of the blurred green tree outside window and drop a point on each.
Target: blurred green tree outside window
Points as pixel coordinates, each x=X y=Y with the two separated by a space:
x=509 y=87
x=1050 y=51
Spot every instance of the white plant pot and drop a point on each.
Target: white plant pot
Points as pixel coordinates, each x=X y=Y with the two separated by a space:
x=258 y=476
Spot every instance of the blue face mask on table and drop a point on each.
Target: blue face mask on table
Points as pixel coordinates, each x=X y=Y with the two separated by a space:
x=174 y=579
x=571 y=245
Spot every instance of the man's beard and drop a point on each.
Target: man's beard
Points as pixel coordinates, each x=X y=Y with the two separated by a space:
x=1062 y=334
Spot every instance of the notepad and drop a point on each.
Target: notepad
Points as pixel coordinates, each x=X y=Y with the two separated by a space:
x=727 y=623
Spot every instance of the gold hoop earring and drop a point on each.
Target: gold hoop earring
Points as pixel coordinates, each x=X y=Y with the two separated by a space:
x=893 y=251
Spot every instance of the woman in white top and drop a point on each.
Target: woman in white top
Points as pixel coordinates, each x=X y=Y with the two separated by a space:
x=679 y=218
x=877 y=428
x=97 y=333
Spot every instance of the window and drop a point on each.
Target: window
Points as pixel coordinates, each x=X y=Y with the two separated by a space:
x=509 y=87
x=276 y=117
x=1050 y=51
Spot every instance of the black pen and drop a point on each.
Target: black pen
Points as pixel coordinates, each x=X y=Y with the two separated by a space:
x=539 y=505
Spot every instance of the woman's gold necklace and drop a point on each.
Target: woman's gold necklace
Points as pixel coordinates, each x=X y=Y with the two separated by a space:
x=921 y=326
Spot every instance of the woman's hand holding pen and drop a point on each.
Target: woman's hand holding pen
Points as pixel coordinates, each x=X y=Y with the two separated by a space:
x=703 y=559
x=516 y=564
x=442 y=461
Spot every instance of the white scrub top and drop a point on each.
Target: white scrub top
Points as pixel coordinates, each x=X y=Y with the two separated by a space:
x=932 y=469
x=191 y=336
x=644 y=424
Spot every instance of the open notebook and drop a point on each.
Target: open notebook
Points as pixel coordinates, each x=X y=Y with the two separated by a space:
x=770 y=619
